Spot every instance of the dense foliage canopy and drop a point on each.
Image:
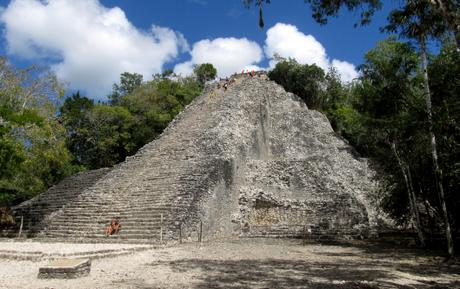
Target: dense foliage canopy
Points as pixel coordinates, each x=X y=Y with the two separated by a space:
x=33 y=153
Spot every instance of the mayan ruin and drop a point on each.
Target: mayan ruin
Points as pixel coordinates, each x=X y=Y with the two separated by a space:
x=203 y=144
x=251 y=161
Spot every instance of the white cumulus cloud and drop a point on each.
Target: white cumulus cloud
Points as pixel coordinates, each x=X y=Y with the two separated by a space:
x=346 y=70
x=88 y=44
x=227 y=55
x=287 y=41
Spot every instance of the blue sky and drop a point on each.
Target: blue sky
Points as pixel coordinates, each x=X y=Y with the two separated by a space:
x=228 y=18
x=88 y=43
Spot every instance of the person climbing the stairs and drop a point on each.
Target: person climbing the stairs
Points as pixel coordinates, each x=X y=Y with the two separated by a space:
x=113 y=228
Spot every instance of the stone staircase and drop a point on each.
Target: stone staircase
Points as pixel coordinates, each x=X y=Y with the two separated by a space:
x=146 y=192
x=38 y=210
x=249 y=161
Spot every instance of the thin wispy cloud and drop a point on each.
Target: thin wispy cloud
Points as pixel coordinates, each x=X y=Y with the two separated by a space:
x=234 y=13
x=199 y=2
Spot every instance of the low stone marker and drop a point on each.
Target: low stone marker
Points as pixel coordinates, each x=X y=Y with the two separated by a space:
x=65 y=269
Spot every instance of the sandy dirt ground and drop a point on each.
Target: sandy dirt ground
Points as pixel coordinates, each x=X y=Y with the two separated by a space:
x=253 y=264
x=63 y=248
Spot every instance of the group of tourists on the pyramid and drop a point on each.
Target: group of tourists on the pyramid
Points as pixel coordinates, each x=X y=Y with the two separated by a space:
x=229 y=81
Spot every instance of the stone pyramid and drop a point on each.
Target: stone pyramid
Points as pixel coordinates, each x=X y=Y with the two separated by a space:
x=248 y=161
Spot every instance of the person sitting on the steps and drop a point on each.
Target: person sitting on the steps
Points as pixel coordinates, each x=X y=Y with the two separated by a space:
x=113 y=228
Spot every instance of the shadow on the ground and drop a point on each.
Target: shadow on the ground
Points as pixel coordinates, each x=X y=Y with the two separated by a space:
x=270 y=273
x=275 y=273
x=369 y=266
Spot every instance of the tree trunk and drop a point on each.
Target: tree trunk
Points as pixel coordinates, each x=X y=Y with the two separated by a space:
x=412 y=200
x=434 y=153
x=416 y=212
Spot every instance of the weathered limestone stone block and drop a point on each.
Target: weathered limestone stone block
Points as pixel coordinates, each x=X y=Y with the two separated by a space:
x=65 y=269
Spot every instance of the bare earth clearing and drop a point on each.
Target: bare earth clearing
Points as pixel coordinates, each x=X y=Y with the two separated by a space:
x=249 y=263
